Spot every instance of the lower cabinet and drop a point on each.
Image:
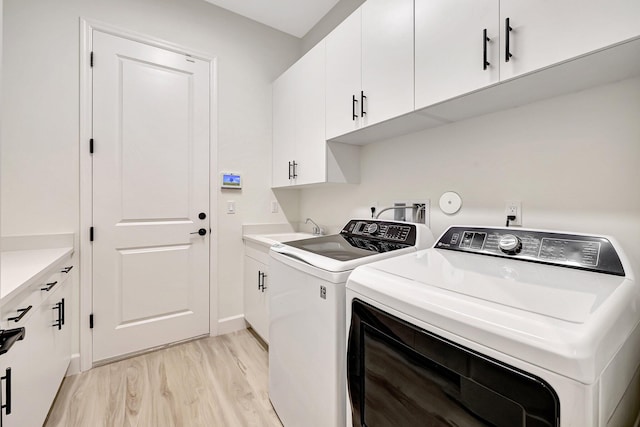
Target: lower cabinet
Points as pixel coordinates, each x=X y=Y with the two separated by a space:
x=34 y=368
x=256 y=288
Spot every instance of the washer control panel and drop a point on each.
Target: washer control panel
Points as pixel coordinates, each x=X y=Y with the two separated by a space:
x=567 y=250
x=382 y=230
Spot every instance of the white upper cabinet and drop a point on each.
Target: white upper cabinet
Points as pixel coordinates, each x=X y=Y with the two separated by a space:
x=284 y=110
x=370 y=66
x=443 y=61
x=545 y=32
x=387 y=59
x=298 y=122
x=310 y=153
x=453 y=56
x=456 y=48
x=300 y=152
x=344 y=76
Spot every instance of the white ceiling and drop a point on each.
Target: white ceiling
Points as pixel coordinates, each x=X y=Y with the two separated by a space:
x=295 y=17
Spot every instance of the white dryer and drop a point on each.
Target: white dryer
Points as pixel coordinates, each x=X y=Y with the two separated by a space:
x=496 y=327
x=307 y=339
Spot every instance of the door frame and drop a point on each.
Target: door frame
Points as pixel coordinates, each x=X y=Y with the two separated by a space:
x=87 y=26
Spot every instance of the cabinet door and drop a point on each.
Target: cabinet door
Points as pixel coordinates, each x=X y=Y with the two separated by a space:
x=310 y=141
x=545 y=32
x=255 y=297
x=450 y=48
x=45 y=359
x=33 y=361
x=284 y=109
x=61 y=336
x=344 y=76
x=387 y=59
x=18 y=362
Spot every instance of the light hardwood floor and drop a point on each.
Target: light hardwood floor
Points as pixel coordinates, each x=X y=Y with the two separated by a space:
x=219 y=381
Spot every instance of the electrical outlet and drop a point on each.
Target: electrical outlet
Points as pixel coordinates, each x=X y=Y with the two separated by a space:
x=274 y=206
x=514 y=208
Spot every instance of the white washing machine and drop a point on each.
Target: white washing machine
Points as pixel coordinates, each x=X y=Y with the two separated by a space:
x=496 y=327
x=307 y=352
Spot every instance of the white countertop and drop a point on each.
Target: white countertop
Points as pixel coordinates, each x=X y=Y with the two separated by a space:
x=20 y=269
x=271 y=239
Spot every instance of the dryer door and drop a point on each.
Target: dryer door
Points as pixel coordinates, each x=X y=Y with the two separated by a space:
x=401 y=375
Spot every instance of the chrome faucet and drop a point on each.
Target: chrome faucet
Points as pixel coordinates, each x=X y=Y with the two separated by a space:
x=317 y=230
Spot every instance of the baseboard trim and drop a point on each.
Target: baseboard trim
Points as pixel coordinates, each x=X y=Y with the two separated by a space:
x=231 y=324
x=74 y=365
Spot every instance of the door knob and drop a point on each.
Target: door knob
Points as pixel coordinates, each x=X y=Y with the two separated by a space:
x=201 y=232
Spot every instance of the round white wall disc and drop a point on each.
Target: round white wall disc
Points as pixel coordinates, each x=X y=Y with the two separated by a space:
x=450 y=202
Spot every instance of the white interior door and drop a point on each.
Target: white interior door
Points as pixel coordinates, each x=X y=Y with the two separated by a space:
x=150 y=185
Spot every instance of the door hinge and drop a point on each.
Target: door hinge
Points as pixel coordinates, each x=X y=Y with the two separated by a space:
x=91 y=321
x=91 y=59
x=91 y=146
x=91 y=234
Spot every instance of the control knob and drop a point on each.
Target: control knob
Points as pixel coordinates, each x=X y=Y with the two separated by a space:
x=510 y=244
x=372 y=228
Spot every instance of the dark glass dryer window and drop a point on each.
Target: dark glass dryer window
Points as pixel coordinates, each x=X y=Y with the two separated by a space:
x=401 y=375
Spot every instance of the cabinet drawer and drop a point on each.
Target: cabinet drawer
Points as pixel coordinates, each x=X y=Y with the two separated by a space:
x=16 y=312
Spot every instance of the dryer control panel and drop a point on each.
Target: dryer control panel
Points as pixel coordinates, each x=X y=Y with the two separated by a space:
x=579 y=251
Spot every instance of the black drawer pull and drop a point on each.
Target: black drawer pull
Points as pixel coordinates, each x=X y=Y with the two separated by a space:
x=261 y=286
x=7 y=389
x=22 y=311
x=507 y=44
x=60 y=308
x=354 y=101
x=67 y=269
x=48 y=286
x=485 y=39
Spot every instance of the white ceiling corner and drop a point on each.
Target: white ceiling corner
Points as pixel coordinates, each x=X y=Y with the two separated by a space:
x=295 y=17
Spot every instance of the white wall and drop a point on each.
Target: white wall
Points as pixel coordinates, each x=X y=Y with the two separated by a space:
x=335 y=16
x=1 y=43
x=40 y=146
x=572 y=161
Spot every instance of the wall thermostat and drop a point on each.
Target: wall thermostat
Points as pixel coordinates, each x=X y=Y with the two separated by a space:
x=230 y=180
